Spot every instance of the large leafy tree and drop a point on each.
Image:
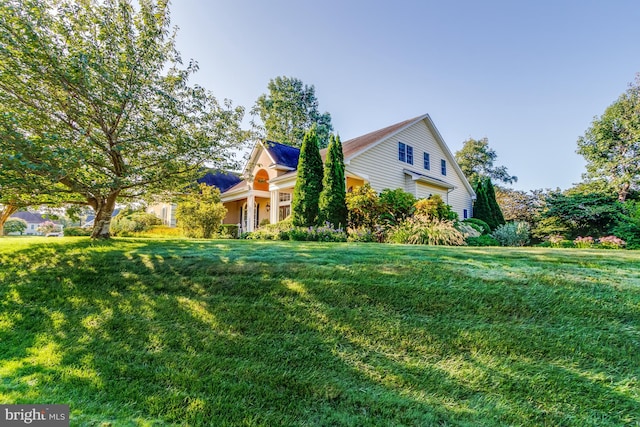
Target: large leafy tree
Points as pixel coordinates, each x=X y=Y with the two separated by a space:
x=100 y=104
x=289 y=110
x=306 y=193
x=332 y=204
x=611 y=145
x=476 y=160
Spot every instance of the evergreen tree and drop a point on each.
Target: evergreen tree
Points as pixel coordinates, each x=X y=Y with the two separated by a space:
x=306 y=193
x=496 y=212
x=481 y=207
x=332 y=205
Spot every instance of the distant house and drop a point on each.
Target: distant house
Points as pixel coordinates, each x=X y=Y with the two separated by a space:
x=33 y=221
x=410 y=155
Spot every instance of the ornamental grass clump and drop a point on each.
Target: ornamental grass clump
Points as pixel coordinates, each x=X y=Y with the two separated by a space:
x=426 y=230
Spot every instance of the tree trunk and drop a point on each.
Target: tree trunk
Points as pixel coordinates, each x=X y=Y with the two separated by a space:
x=104 y=209
x=5 y=213
x=623 y=192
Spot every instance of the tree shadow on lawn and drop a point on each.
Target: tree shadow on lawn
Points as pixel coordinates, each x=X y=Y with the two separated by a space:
x=211 y=333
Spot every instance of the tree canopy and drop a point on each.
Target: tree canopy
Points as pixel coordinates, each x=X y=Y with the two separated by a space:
x=611 y=146
x=289 y=110
x=98 y=107
x=476 y=160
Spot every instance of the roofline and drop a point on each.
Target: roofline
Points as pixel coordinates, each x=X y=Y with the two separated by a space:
x=368 y=147
x=448 y=153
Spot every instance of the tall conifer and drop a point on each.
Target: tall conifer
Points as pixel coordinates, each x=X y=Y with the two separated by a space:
x=333 y=205
x=481 y=207
x=496 y=212
x=306 y=193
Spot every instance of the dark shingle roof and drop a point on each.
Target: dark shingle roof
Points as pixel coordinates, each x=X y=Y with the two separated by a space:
x=30 y=217
x=220 y=179
x=283 y=155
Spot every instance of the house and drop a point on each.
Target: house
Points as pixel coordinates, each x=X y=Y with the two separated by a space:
x=410 y=155
x=33 y=220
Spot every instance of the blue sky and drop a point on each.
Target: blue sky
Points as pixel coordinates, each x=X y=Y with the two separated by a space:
x=528 y=75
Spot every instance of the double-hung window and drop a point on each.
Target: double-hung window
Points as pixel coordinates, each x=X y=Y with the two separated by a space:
x=402 y=151
x=405 y=153
x=427 y=161
x=443 y=167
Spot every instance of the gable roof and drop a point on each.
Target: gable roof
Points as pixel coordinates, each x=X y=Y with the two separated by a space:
x=355 y=146
x=30 y=217
x=283 y=155
x=220 y=179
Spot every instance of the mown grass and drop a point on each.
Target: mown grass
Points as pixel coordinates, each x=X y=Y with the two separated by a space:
x=162 y=332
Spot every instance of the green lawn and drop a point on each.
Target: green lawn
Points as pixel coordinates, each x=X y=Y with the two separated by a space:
x=161 y=332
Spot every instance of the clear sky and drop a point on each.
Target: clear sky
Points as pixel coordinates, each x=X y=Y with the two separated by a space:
x=528 y=75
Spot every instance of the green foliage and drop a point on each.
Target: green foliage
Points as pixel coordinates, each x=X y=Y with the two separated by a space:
x=628 y=227
x=289 y=110
x=128 y=222
x=95 y=105
x=484 y=227
x=476 y=159
x=286 y=231
x=362 y=235
x=363 y=205
x=76 y=231
x=395 y=206
x=423 y=229
x=332 y=204
x=484 y=240
x=611 y=146
x=306 y=193
x=435 y=207
x=15 y=225
x=512 y=234
x=581 y=214
x=486 y=207
x=229 y=230
x=201 y=213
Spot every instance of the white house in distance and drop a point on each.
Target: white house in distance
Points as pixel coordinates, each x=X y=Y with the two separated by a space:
x=410 y=155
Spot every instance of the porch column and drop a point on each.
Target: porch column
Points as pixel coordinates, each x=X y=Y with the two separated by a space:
x=275 y=206
x=251 y=206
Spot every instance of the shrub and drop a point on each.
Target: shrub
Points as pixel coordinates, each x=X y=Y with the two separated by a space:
x=611 y=242
x=161 y=231
x=425 y=230
x=128 y=222
x=395 y=206
x=483 y=240
x=435 y=207
x=77 y=231
x=201 y=213
x=480 y=223
x=48 y=227
x=363 y=207
x=512 y=234
x=361 y=235
x=583 y=242
x=229 y=230
x=318 y=234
